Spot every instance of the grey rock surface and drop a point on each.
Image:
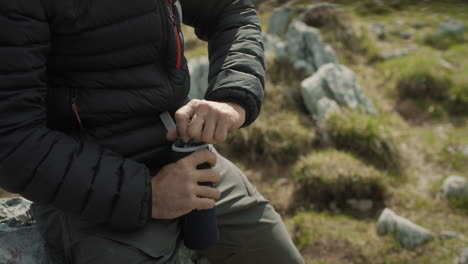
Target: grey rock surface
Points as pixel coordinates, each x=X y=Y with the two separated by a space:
x=455 y=187
x=379 y=30
x=336 y=83
x=305 y=48
x=448 y=235
x=361 y=205
x=407 y=233
x=21 y=245
x=279 y=20
x=20 y=242
x=462 y=258
x=14 y=212
x=450 y=26
x=275 y=48
x=199 y=69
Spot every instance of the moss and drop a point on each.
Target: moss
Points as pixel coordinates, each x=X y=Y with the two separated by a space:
x=368 y=137
x=283 y=72
x=458 y=100
x=373 y=7
x=349 y=38
x=334 y=176
x=276 y=137
x=443 y=41
x=420 y=82
x=461 y=203
x=423 y=86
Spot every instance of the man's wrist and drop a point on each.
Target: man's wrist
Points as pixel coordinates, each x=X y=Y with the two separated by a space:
x=240 y=111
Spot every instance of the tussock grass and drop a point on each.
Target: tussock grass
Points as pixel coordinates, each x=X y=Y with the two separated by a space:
x=369 y=138
x=333 y=176
x=275 y=137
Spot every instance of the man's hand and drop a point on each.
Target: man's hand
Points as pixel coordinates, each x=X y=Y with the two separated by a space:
x=175 y=188
x=207 y=121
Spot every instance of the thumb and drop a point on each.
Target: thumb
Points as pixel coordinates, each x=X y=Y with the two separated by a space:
x=171 y=135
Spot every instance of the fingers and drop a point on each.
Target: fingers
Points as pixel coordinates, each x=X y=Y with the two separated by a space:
x=208 y=121
x=195 y=126
x=200 y=157
x=209 y=130
x=207 y=175
x=203 y=203
x=171 y=135
x=207 y=192
x=183 y=117
x=220 y=134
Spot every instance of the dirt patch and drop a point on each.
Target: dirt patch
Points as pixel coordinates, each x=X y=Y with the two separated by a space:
x=334 y=250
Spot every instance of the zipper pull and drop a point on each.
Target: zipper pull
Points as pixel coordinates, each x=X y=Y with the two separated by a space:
x=75 y=109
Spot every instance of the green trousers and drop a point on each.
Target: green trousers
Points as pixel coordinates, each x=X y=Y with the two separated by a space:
x=251 y=232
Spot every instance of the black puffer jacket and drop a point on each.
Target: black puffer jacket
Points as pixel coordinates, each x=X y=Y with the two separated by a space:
x=109 y=67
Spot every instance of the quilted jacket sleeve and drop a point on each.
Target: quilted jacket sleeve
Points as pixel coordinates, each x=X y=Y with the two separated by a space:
x=48 y=166
x=235 y=44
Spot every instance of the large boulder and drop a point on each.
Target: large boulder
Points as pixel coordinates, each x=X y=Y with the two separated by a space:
x=407 y=233
x=199 y=69
x=279 y=20
x=305 y=48
x=337 y=83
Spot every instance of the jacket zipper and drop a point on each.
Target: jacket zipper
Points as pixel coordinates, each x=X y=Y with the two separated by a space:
x=75 y=107
x=176 y=32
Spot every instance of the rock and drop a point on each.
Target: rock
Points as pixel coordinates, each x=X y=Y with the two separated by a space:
x=22 y=245
x=448 y=235
x=455 y=187
x=199 y=69
x=418 y=24
x=14 y=212
x=391 y=54
x=20 y=241
x=406 y=34
x=463 y=259
x=305 y=48
x=451 y=26
x=335 y=83
x=362 y=205
x=275 y=48
x=279 y=20
x=408 y=234
x=379 y=30
x=326 y=107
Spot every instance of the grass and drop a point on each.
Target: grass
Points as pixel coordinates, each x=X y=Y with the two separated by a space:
x=369 y=138
x=332 y=176
x=278 y=137
x=332 y=238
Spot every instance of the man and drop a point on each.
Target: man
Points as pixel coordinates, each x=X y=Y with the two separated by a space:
x=82 y=83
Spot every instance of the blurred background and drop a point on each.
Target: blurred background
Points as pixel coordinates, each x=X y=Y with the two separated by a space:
x=362 y=143
x=366 y=108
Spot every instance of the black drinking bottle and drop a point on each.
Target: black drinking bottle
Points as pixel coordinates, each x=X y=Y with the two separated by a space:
x=199 y=227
